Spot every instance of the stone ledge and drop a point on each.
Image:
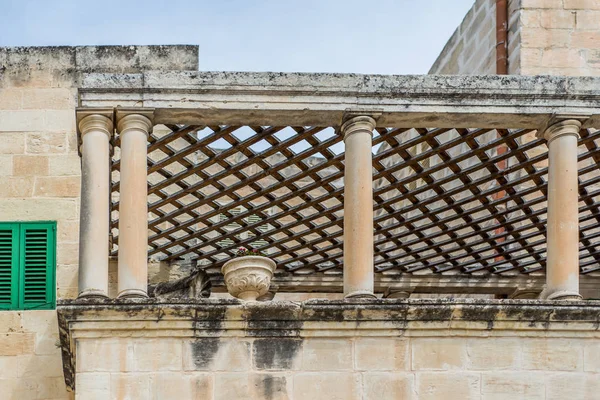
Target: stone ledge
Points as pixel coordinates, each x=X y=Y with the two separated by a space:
x=403 y=101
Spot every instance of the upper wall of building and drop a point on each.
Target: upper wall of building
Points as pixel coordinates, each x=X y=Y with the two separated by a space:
x=62 y=66
x=471 y=50
x=545 y=37
x=40 y=179
x=560 y=37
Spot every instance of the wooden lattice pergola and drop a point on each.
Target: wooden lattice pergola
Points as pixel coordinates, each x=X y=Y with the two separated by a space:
x=442 y=199
x=253 y=160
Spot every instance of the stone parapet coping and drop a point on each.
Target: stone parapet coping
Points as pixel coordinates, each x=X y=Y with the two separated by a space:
x=306 y=99
x=155 y=318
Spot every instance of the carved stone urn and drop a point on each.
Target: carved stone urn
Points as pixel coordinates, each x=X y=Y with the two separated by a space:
x=248 y=277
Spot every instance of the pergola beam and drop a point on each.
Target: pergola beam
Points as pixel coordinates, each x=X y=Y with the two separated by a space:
x=294 y=99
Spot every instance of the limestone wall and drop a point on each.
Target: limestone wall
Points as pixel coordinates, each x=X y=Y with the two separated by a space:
x=378 y=368
x=331 y=350
x=545 y=37
x=40 y=180
x=471 y=50
x=560 y=37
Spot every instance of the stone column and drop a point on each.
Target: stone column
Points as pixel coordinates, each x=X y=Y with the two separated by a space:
x=562 y=241
x=358 y=207
x=96 y=128
x=133 y=127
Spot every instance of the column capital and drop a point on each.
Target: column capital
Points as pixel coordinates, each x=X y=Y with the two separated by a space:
x=562 y=124
x=357 y=123
x=94 y=118
x=135 y=118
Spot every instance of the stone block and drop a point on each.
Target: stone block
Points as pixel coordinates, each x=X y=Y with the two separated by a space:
x=542 y=4
x=49 y=98
x=327 y=355
x=132 y=59
x=69 y=292
x=92 y=386
x=10 y=322
x=46 y=143
x=157 y=355
x=20 y=187
x=11 y=99
x=494 y=353
x=30 y=165
x=552 y=354
x=513 y=385
x=557 y=19
x=64 y=165
x=327 y=386
x=40 y=388
x=57 y=186
x=372 y=354
x=277 y=353
x=22 y=120
x=12 y=142
x=67 y=253
x=104 y=355
x=67 y=231
x=531 y=18
x=14 y=344
x=238 y=385
x=586 y=39
x=130 y=386
x=582 y=4
x=170 y=385
x=60 y=121
x=213 y=354
x=447 y=385
x=591 y=356
x=562 y=58
x=38 y=209
x=572 y=386
x=35 y=366
x=38 y=66
x=438 y=354
x=545 y=38
x=388 y=386
x=9 y=367
x=587 y=19
x=6 y=165
x=44 y=324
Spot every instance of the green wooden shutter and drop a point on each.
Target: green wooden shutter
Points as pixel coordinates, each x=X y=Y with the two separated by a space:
x=37 y=259
x=9 y=266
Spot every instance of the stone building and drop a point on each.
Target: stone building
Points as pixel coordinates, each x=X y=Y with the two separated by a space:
x=466 y=170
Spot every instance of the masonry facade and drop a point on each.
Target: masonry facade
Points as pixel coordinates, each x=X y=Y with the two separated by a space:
x=212 y=352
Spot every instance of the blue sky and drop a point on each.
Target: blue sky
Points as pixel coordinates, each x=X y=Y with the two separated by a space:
x=376 y=36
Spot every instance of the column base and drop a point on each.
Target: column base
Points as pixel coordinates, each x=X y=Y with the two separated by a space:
x=132 y=294
x=360 y=294
x=564 y=295
x=92 y=294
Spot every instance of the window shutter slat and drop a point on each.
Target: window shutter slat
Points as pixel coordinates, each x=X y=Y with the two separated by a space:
x=9 y=266
x=37 y=264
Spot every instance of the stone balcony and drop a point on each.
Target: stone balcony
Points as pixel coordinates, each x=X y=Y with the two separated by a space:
x=318 y=349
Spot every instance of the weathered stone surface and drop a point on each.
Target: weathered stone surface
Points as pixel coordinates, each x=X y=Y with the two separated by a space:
x=438 y=385
x=327 y=386
x=388 y=386
x=327 y=355
x=276 y=353
x=490 y=350
x=438 y=354
x=376 y=354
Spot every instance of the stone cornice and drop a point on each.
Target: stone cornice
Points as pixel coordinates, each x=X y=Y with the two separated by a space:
x=324 y=99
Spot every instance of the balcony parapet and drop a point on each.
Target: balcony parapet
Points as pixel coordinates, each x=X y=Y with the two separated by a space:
x=98 y=319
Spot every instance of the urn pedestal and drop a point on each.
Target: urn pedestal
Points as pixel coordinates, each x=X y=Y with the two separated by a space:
x=248 y=277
